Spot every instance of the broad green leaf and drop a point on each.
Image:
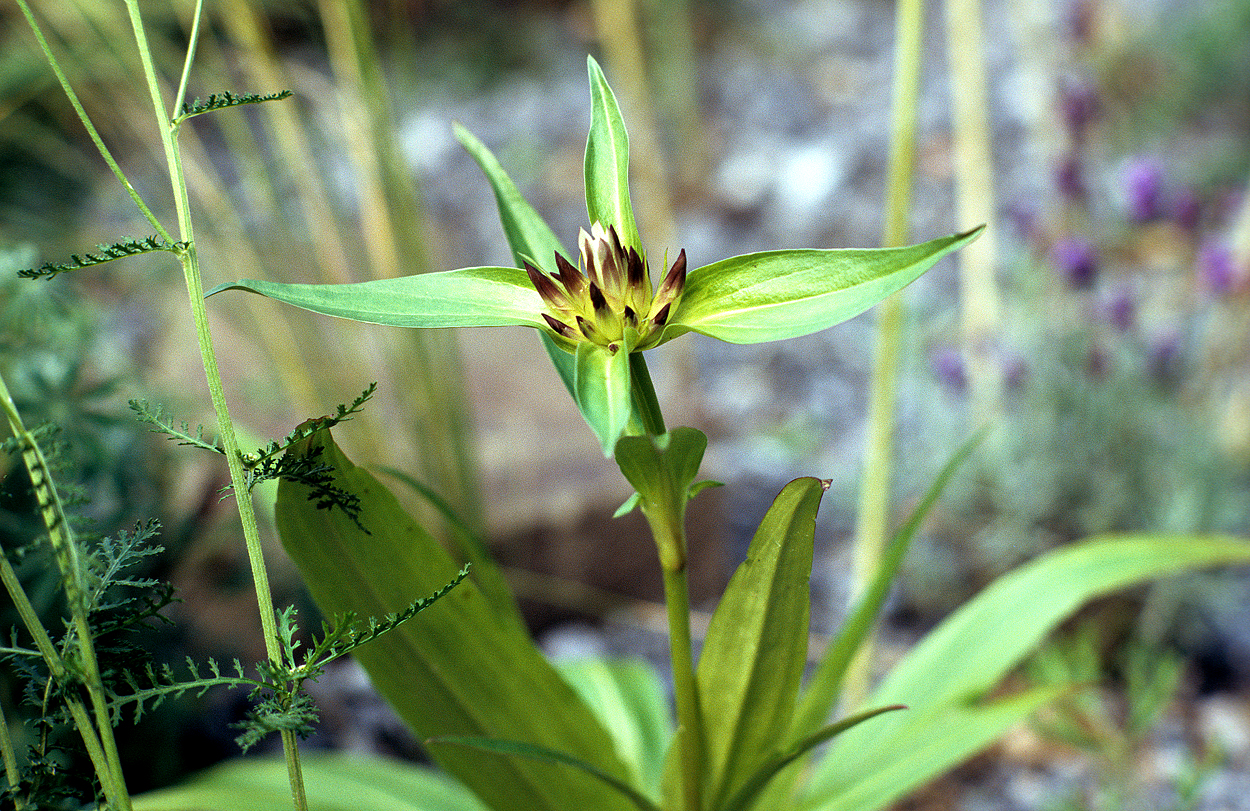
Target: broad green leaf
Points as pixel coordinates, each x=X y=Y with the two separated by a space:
x=629 y=700
x=936 y=741
x=485 y=570
x=457 y=669
x=663 y=468
x=601 y=389
x=542 y=753
x=469 y=297
x=335 y=782
x=607 y=162
x=784 y=294
x=972 y=650
x=750 y=790
x=821 y=695
x=756 y=645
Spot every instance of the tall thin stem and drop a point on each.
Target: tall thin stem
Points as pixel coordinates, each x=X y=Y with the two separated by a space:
x=974 y=176
x=100 y=744
x=208 y=356
x=870 y=534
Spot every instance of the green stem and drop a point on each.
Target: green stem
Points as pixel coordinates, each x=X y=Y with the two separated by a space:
x=90 y=127
x=208 y=356
x=645 y=401
x=11 y=774
x=685 y=688
x=670 y=540
x=874 y=500
x=294 y=769
x=99 y=741
x=193 y=40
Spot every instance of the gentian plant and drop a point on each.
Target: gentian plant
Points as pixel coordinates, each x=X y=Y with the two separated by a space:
x=496 y=714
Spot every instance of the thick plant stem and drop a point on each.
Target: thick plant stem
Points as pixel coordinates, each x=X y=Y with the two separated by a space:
x=11 y=773
x=685 y=689
x=871 y=529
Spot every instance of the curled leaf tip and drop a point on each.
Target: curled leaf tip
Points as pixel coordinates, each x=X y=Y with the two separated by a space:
x=825 y=484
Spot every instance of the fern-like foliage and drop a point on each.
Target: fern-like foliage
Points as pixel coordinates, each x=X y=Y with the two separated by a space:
x=282 y=704
x=263 y=456
x=105 y=253
x=149 y=687
x=273 y=461
x=179 y=431
x=220 y=101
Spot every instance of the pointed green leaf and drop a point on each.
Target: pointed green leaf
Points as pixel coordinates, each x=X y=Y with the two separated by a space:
x=607 y=162
x=528 y=234
x=547 y=755
x=973 y=649
x=601 y=389
x=629 y=700
x=335 y=782
x=457 y=669
x=756 y=645
x=469 y=297
x=755 y=783
x=821 y=695
x=784 y=294
x=936 y=742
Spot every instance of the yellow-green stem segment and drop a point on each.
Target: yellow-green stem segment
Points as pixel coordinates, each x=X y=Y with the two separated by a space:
x=685 y=689
x=874 y=502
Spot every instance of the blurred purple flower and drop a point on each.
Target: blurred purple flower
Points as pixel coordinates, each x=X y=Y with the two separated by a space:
x=1143 y=189
x=1078 y=106
x=948 y=366
x=1080 y=21
x=1164 y=358
x=1070 y=179
x=1023 y=217
x=1121 y=310
x=1097 y=364
x=1076 y=259
x=1187 y=209
x=1015 y=369
x=1215 y=268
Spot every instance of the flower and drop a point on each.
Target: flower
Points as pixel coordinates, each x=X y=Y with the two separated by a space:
x=1143 y=189
x=612 y=305
x=596 y=322
x=1077 y=261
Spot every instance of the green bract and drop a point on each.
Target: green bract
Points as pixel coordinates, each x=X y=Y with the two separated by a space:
x=591 y=322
